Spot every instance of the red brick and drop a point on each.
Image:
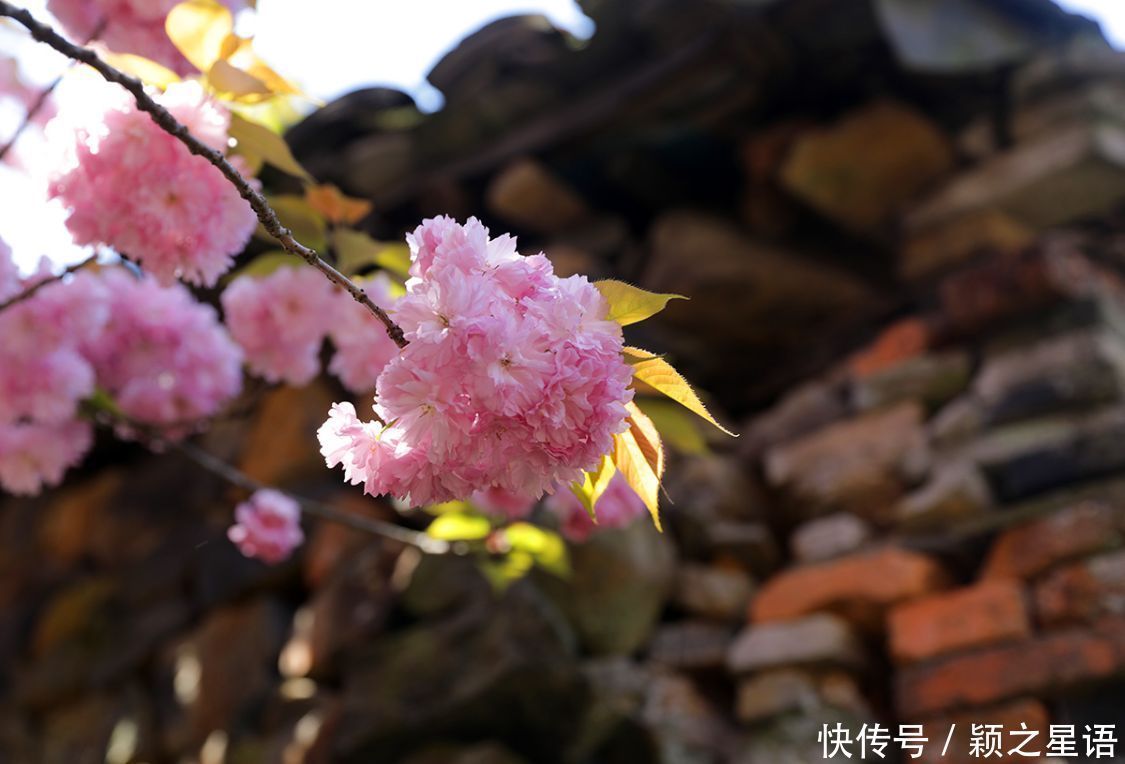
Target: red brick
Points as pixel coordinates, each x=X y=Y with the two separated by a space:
x=902 y=340
x=1042 y=666
x=860 y=587
x=978 y=297
x=1077 y=531
x=1083 y=591
x=1009 y=717
x=990 y=612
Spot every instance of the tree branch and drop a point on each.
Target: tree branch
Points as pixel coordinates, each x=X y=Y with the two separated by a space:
x=164 y=119
x=324 y=511
x=31 y=290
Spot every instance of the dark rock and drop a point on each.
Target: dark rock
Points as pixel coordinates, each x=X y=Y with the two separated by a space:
x=690 y=645
x=721 y=593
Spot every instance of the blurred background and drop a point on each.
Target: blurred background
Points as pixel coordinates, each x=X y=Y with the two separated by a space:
x=900 y=226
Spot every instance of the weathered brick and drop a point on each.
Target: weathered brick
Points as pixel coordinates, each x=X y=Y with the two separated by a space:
x=782 y=691
x=861 y=170
x=1031 y=714
x=818 y=640
x=932 y=378
x=862 y=465
x=827 y=537
x=1074 y=371
x=988 y=613
x=952 y=243
x=1045 y=665
x=690 y=645
x=957 y=491
x=977 y=298
x=1083 y=591
x=860 y=587
x=1033 y=457
x=713 y=592
x=1029 y=549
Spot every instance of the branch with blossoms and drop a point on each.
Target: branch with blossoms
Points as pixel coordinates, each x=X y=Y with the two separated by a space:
x=33 y=289
x=162 y=117
x=502 y=391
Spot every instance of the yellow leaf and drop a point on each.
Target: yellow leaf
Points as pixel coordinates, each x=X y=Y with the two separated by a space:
x=335 y=206
x=199 y=29
x=148 y=72
x=629 y=304
x=459 y=526
x=242 y=56
x=659 y=375
x=593 y=485
x=647 y=437
x=631 y=463
x=257 y=142
x=677 y=427
x=232 y=83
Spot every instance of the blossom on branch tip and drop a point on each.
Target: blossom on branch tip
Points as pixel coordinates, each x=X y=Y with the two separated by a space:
x=131 y=185
x=513 y=379
x=267 y=527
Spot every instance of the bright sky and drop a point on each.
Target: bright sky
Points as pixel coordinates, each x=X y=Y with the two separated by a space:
x=344 y=45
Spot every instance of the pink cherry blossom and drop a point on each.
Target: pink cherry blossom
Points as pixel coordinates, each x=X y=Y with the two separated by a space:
x=34 y=455
x=164 y=357
x=267 y=527
x=134 y=187
x=501 y=503
x=280 y=321
x=513 y=379
x=9 y=273
x=130 y=26
x=363 y=348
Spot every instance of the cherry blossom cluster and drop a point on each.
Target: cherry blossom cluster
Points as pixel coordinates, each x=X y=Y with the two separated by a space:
x=513 y=378
x=281 y=321
x=267 y=526
x=130 y=185
x=163 y=357
x=128 y=26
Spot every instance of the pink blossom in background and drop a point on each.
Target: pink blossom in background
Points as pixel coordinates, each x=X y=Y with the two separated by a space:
x=280 y=321
x=363 y=348
x=164 y=357
x=131 y=26
x=267 y=527
x=499 y=503
x=512 y=380
x=34 y=455
x=132 y=186
x=9 y=273
x=616 y=508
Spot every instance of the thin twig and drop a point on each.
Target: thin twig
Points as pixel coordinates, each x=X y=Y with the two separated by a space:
x=41 y=99
x=164 y=119
x=324 y=511
x=31 y=290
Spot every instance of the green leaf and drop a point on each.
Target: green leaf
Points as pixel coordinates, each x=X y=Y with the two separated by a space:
x=677 y=427
x=266 y=263
x=546 y=548
x=629 y=304
x=459 y=526
x=659 y=375
x=356 y=252
x=258 y=143
x=446 y=507
x=307 y=225
x=593 y=486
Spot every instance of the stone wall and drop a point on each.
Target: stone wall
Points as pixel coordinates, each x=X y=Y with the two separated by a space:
x=903 y=252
